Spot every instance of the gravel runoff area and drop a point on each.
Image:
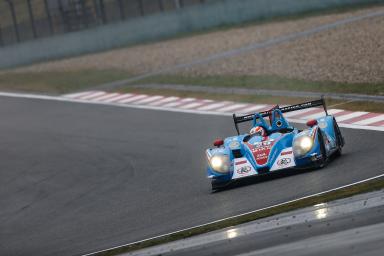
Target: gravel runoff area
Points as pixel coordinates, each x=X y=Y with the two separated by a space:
x=351 y=53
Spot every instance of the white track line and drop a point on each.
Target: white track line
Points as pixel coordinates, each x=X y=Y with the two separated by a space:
x=233 y=107
x=310 y=214
x=77 y=95
x=252 y=109
x=240 y=215
x=163 y=101
x=350 y=116
x=318 y=115
x=169 y=108
x=370 y=120
x=178 y=103
x=120 y=97
x=351 y=126
x=194 y=104
x=218 y=107
x=297 y=113
x=105 y=97
x=149 y=99
x=134 y=98
x=215 y=105
x=91 y=95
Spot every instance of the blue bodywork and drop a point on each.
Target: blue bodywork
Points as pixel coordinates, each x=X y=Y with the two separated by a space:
x=248 y=155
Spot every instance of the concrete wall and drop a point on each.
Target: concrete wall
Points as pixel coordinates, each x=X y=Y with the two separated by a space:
x=159 y=26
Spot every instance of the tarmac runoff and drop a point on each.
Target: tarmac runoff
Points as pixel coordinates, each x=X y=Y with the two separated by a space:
x=98 y=185
x=338 y=206
x=329 y=238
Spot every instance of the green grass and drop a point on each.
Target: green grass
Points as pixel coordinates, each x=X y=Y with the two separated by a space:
x=268 y=82
x=57 y=82
x=372 y=185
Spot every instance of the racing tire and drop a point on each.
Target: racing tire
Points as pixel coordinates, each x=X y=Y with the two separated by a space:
x=323 y=161
x=339 y=138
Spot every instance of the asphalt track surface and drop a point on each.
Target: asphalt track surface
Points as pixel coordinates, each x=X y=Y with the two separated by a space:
x=77 y=178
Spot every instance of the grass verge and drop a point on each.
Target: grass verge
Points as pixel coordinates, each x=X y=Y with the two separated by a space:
x=268 y=82
x=70 y=81
x=259 y=99
x=368 y=186
x=57 y=82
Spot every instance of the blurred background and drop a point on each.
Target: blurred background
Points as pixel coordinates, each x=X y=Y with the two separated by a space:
x=22 y=20
x=76 y=178
x=307 y=48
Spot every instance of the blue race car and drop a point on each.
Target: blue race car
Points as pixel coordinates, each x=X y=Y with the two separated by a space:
x=273 y=145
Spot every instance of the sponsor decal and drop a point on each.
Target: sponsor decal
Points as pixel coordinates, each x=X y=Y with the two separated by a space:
x=259 y=144
x=267 y=143
x=284 y=161
x=244 y=170
x=286 y=153
x=261 y=151
x=261 y=155
x=241 y=162
x=256 y=150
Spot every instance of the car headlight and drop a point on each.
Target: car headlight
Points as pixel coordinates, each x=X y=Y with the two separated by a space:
x=302 y=145
x=220 y=163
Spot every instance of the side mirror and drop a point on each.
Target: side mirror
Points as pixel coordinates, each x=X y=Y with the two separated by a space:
x=312 y=123
x=218 y=142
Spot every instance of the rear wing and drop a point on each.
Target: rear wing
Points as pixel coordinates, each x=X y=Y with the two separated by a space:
x=305 y=105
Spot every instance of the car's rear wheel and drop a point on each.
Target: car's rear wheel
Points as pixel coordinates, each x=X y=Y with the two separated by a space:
x=338 y=137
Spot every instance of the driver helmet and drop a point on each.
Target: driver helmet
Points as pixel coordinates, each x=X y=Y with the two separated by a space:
x=258 y=130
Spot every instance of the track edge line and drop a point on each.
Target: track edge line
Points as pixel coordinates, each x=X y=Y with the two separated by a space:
x=359 y=187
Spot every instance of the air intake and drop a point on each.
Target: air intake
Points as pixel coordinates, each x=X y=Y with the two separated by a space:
x=263 y=170
x=237 y=153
